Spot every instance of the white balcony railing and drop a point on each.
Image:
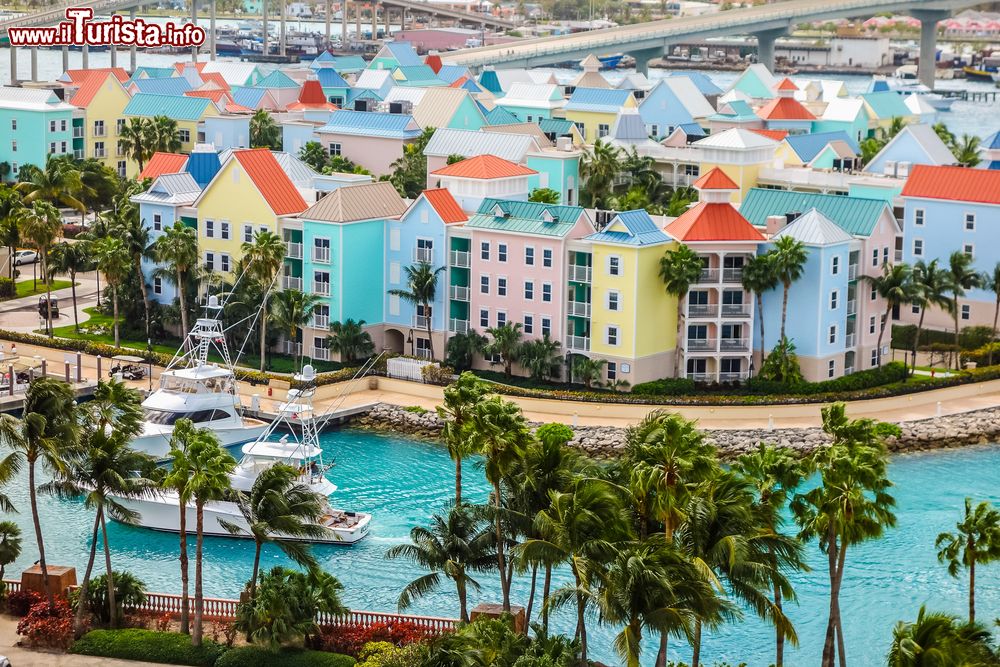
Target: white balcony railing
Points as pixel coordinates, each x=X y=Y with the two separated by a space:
x=321 y=321
x=701 y=377
x=321 y=288
x=100 y=153
x=848 y=370
x=852 y=306
x=460 y=259
x=425 y=255
x=321 y=255
x=709 y=276
x=421 y=321
x=293 y=250
x=291 y=282
x=702 y=310
x=320 y=353
x=458 y=326
x=734 y=344
x=852 y=272
x=578 y=343
x=850 y=339
x=291 y=347
x=100 y=132
x=898 y=256
x=578 y=309
x=423 y=353
x=736 y=376
x=732 y=275
x=580 y=274
x=458 y=293
x=735 y=310
x=701 y=344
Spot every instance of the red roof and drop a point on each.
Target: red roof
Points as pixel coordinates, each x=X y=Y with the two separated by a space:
x=90 y=86
x=785 y=108
x=215 y=78
x=716 y=179
x=311 y=96
x=434 y=62
x=954 y=183
x=787 y=84
x=459 y=82
x=78 y=75
x=712 y=222
x=445 y=205
x=484 y=166
x=214 y=94
x=776 y=135
x=272 y=182
x=163 y=163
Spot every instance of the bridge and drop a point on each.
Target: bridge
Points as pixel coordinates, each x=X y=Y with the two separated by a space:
x=646 y=41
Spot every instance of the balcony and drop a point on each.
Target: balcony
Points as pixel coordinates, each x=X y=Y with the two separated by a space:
x=850 y=340
x=421 y=321
x=99 y=131
x=738 y=376
x=320 y=353
x=424 y=255
x=293 y=250
x=291 y=347
x=100 y=153
x=291 y=282
x=702 y=310
x=735 y=310
x=458 y=293
x=460 y=259
x=701 y=344
x=578 y=343
x=458 y=326
x=732 y=275
x=898 y=256
x=701 y=377
x=580 y=274
x=852 y=306
x=852 y=272
x=78 y=133
x=321 y=255
x=578 y=309
x=709 y=276
x=321 y=321
x=321 y=288
x=734 y=344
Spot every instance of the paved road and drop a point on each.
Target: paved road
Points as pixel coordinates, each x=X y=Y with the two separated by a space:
x=22 y=314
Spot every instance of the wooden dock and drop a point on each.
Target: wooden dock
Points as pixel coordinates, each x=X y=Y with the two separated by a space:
x=272 y=58
x=331 y=418
x=15 y=402
x=971 y=95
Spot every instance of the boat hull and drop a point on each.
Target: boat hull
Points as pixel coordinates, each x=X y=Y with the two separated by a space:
x=975 y=74
x=157 y=445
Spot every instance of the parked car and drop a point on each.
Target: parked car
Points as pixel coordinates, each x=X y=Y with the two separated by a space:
x=25 y=257
x=43 y=307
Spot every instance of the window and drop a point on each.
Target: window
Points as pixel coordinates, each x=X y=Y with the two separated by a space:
x=119 y=125
x=184 y=136
x=98 y=128
x=547 y=257
x=13 y=124
x=502 y=252
x=967 y=249
x=885 y=254
x=614 y=298
x=484 y=318
x=529 y=290
x=62 y=146
x=970 y=222
x=918 y=217
x=501 y=318
x=224 y=262
x=529 y=324
x=831 y=368
x=99 y=149
x=546 y=326
x=321 y=283
x=918 y=247
x=833 y=334
x=874 y=293
x=484 y=251
x=603 y=130
x=394 y=239
x=834 y=266
x=157 y=222
x=874 y=256
x=581 y=128
x=874 y=358
x=529 y=256
x=612 y=369
x=321 y=250
x=13 y=168
x=333 y=149
x=871 y=324
x=52 y=148
x=834 y=296
x=484 y=284
x=547 y=292
x=654 y=130
x=118 y=148
x=612 y=335
x=501 y=287
x=915 y=309
x=210 y=229
x=62 y=126
x=248 y=233
x=614 y=265
x=224 y=230
x=966 y=311
x=52 y=126
x=157 y=286
x=691 y=170
x=210 y=261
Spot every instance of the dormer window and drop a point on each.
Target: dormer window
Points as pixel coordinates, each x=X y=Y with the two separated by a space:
x=498 y=211
x=547 y=217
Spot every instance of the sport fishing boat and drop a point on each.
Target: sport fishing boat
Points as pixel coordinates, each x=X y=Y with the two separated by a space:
x=192 y=388
x=292 y=439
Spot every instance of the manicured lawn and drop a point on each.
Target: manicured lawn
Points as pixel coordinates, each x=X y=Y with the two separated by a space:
x=25 y=287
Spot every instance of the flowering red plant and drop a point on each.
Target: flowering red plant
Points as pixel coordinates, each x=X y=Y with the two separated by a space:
x=48 y=627
x=349 y=638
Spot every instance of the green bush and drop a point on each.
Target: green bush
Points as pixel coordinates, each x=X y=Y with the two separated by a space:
x=169 y=648
x=666 y=387
x=254 y=656
x=8 y=290
x=969 y=338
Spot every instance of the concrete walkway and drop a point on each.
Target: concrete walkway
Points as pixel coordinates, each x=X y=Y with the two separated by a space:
x=22 y=314
x=22 y=657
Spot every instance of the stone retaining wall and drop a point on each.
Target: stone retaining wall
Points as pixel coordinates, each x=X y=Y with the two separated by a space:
x=969 y=428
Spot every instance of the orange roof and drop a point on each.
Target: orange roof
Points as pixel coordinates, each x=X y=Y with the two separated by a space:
x=777 y=135
x=785 y=108
x=214 y=94
x=180 y=66
x=445 y=205
x=163 y=163
x=215 y=78
x=78 y=75
x=954 y=183
x=90 y=86
x=716 y=179
x=311 y=96
x=272 y=182
x=233 y=107
x=459 y=82
x=434 y=62
x=712 y=222
x=787 y=84
x=484 y=166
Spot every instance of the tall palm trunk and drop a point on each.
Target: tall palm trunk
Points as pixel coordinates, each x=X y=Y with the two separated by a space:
x=81 y=606
x=427 y=312
x=916 y=337
x=958 y=354
x=696 y=644
x=501 y=560
x=972 y=587
x=996 y=314
x=841 y=651
x=145 y=293
x=881 y=332
x=458 y=481
x=831 y=554
x=258 y=545
x=112 y=605
x=76 y=315
x=546 y=587
x=199 y=600
x=661 y=655
x=680 y=337
x=760 y=316
x=784 y=310
x=48 y=296
x=263 y=333
x=114 y=306
x=33 y=497
x=779 y=638
x=462 y=599
x=185 y=612
x=581 y=619
x=531 y=595
x=183 y=301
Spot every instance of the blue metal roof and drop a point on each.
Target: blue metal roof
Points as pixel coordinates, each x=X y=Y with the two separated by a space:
x=558 y=126
x=702 y=82
x=371 y=124
x=991 y=142
x=175 y=85
x=808 y=146
x=452 y=73
x=471 y=86
x=500 y=116
x=693 y=129
x=277 y=79
x=403 y=53
x=888 y=104
x=608 y=100
x=418 y=74
x=203 y=166
x=329 y=78
x=248 y=97
x=348 y=63
x=491 y=82
x=362 y=94
x=855 y=215
x=741 y=111
x=631 y=228
x=177 y=107
x=142 y=73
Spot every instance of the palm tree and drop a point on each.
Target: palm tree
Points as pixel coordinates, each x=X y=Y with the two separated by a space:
x=456 y=411
x=930 y=288
x=461 y=349
x=455 y=545
x=991 y=281
x=264 y=132
x=545 y=196
x=540 y=357
x=966 y=150
x=759 y=276
x=896 y=287
x=40 y=225
x=282 y=510
x=350 y=340
x=501 y=434
x=291 y=310
x=421 y=281
x=936 y=640
x=314 y=155
x=46 y=433
x=961 y=278
x=114 y=262
x=178 y=480
x=178 y=249
x=98 y=182
x=10 y=544
x=164 y=136
x=135 y=140
x=58 y=183
x=265 y=256
x=598 y=170
x=976 y=540
x=506 y=344
x=679 y=268
x=10 y=205
x=788 y=261
x=851 y=504
x=70 y=259
x=138 y=241
x=589 y=370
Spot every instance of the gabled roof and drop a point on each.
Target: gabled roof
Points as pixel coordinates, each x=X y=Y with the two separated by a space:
x=278 y=191
x=634 y=81
x=629 y=127
x=735 y=111
x=786 y=84
x=685 y=90
x=633 y=228
x=843 y=109
x=91 y=85
x=277 y=79
x=468 y=143
x=557 y=126
x=330 y=78
x=249 y=97
x=814 y=228
x=927 y=139
x=991 y=142
x=151 y=73
x=712 y=222
x=500 y=116
x=533 y=96
x=981 y=186
x=439 y=105
x=735 y=137
x=525 y=217
x=701 y=81
x=530 y=129
x=175 y=85
x=599 y=100
x=348 y=63
x=375 y=79
x=447 y=208
x=31 y=99
x=785 y=108
x=234 y=73
x=312 y=98
x=297 y=171
x=857 y=216
x=776 y=135
x=371 y=124
x=433 y=61
x=452 y=73
x=163 y=163
x=887 y=105
x=80 y=75
x=716 y=179
x=352 y=203
x=403 y=53
x=484 y=167
x=177 y=107
x=808 y=146
x=416 y=74
x=170 y=189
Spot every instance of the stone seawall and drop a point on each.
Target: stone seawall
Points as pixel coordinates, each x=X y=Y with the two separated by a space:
x=969 y=428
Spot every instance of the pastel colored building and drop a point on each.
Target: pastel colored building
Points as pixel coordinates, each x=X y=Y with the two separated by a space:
x=370 y=139
x=740 y=154
x=847 y=114
x=913 y=145
x=532 y=102
x=474 y=179
x=34 y=125
x=784 y=112
x=834 y=151
x=663 y=111
x=756 y=82
x=103 y=98
x=594 y=110
x=882 y=107
x=735 y=113
x=189 y=112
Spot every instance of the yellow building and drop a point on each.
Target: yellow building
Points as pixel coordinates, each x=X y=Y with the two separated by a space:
x=740 y=154
x=189 y=113
x=594 y=110
x=633 y=320
x=103 y=98
x=250 y=193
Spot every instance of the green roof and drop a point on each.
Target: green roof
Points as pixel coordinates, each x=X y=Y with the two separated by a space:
x=277 y=79
x=525 y=217
x=889 y=104
x=177 y=107
x=855 y=215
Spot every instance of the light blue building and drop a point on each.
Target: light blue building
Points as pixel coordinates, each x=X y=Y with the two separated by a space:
x=228 y=131
x=34 y=124
x=913 y=145
x=662 y=111
x=847 y=114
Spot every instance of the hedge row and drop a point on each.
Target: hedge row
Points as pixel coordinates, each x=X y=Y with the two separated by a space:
x=254 y=656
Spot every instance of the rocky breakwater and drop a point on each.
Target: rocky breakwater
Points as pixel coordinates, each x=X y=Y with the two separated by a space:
x=969 y=428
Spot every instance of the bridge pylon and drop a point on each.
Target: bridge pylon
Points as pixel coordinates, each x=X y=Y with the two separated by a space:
x=929 y=19
x=765 y=46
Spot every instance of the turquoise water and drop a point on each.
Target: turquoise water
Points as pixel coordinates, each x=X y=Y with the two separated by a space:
x=402 y=482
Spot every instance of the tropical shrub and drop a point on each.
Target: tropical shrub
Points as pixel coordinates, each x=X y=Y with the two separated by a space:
x=437 y=374
x=48 y=626
x=665 y=387
x=130 y=592
x=225 y=631
x=169 y=648
x=19 y=603
x=782 y=364
x=255 y=656
x=8 y=290
x=386 y=654
x=982 y=356
x=351 y=639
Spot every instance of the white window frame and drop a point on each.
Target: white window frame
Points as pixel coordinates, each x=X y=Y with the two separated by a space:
x=969 y=218
x=831 y=368
x=501 y=285
x=832 y=335
x=547 y=258
x=529 y=255
x=918 y=247
x=966 y=311
x=919 y=217
x=501 y=252
x=546 y=292
x=614 y=300
x=484 y=316
x=484 y=251
x=834 y=265
x=834 y=299
x=612 y=335
x=529 y=323
x=529 y=290
x=614 y=265
x=969 y=249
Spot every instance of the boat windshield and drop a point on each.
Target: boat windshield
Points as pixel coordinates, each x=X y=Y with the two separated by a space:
x=168 y=418
x=217 y=385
